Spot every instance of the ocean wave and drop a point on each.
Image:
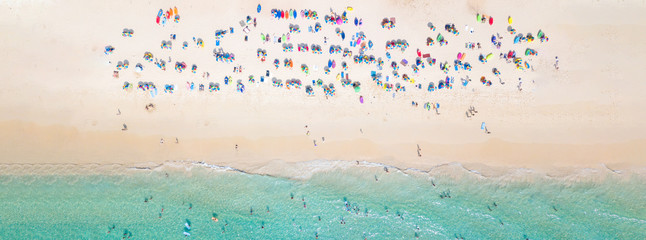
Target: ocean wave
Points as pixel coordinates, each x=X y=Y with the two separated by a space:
x=306 y=169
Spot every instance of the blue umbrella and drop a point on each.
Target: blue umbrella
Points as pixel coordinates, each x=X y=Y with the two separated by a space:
x=258 y=8
x=343 y=35
x=329 y=63
x=356 y=21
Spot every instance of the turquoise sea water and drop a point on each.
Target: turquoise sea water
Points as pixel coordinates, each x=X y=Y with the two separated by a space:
x=397 y=206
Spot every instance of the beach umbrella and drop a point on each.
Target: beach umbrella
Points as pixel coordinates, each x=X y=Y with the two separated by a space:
x=361 y=99
x=343 y=35
x=517 y=39
x=339 y=21
x=258 y=8
x=329 y=63
x=510 y=20
x=459 y=55
x=356 y=21
x=294 y=13
x=490 y=20
x=489 y=56
x=478 y=17
x=540 y=34
x=357 y=89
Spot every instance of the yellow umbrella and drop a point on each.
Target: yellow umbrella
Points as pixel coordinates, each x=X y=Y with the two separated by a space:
x=510 y=20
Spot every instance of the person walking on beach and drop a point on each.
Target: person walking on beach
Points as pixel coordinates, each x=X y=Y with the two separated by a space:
x=161 y=141
x=556 y=65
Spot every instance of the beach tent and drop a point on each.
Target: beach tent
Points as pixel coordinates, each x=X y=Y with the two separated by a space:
x=540 y=34
x=517 y=39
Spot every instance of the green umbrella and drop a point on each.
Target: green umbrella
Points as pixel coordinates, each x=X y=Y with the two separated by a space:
x=357 y=89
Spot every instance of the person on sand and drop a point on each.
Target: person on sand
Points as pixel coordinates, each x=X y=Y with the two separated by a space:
x=236 y=147
x=161 y=141
x=176 y=140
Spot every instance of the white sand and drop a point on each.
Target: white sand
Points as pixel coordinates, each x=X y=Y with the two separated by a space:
x=59 y=100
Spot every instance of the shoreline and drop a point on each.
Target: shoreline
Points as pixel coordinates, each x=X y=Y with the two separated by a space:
x=289 y=154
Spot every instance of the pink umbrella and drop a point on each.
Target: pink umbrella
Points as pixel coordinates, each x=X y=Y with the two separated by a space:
x=459 y=55
x=339 y=21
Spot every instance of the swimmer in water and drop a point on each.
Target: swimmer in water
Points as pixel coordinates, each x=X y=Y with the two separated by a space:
x=251 y=211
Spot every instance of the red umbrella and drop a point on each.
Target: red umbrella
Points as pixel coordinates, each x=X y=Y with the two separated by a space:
x=419 y=54
x=490 y=21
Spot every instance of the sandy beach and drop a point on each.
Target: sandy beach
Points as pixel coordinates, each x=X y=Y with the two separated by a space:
x=60 y=102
